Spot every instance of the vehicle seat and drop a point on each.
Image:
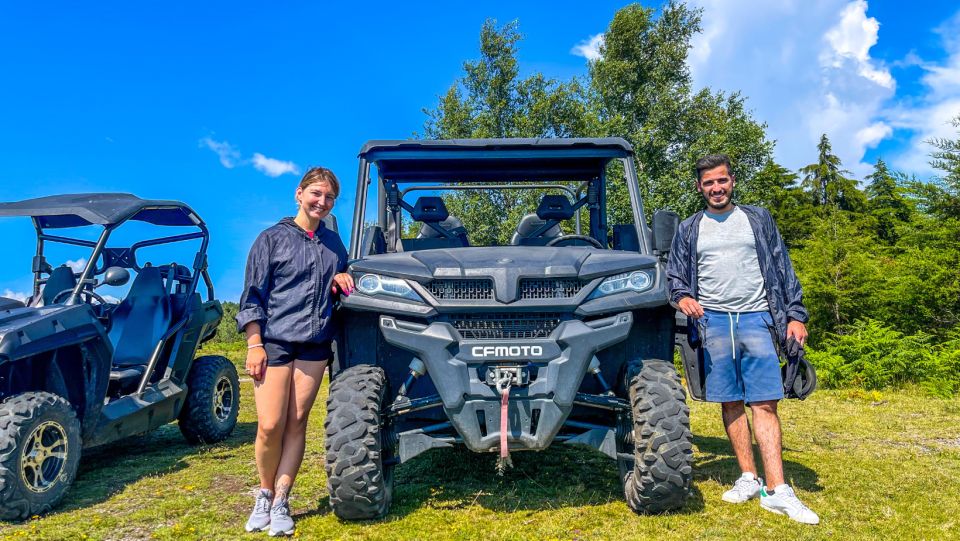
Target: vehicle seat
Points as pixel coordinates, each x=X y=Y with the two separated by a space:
x=432 y=212
x=451 y=224
x=61 y=278
x=175 y=276
x=555 y=207
x=552 y=209
x=528 y=225
x=137 y=324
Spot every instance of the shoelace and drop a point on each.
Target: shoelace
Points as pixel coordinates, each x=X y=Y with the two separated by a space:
x=791 y=498
x=282 y=510
x=744 y=485
x=262 y=505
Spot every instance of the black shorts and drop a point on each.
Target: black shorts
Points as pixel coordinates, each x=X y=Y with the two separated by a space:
x=280 y=353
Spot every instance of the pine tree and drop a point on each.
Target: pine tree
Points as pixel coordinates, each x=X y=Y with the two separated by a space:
x=886 y=202
x=826 y=183
x=945 y=195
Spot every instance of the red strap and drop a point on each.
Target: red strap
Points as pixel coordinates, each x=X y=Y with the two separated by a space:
x=504 y=422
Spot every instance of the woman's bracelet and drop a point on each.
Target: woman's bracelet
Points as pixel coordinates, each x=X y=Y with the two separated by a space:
x=251 y=346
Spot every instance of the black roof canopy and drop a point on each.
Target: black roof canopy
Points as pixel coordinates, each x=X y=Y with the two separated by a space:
x=494 y=159
x=71 y=210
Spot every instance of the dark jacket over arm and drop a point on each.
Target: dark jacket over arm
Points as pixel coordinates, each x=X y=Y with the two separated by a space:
x=256 y=284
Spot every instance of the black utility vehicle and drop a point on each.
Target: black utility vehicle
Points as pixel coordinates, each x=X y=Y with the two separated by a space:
x=563 y=335
x=80 y=369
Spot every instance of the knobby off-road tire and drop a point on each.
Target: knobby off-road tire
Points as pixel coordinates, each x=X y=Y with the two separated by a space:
x=658 y=480
x=39 y=453
x=213 y=400
x=359 y=483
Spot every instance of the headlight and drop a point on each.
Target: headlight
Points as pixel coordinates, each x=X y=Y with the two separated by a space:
x=374 y=284
x=628 y=281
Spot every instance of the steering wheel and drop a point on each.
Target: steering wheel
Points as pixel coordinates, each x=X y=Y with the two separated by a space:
x=91 y=295
x=565 y=240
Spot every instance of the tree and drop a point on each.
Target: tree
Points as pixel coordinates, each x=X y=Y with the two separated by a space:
x=840 y=270
x=923 y=290
x=641 y=89
x=490 y=100
x=944 y=194
x=886 y=202
x=826 y=183
x=947 y=156
x=787 y=202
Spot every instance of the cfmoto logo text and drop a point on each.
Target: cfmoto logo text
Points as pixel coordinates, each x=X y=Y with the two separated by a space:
x=507 y=351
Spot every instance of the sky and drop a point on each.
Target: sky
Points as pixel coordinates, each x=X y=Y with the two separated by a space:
x=224 y=104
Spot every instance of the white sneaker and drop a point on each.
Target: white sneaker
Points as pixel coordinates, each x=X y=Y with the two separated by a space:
x=260 y=517
x=746 y=488
x=785 y=501
x=280 y=521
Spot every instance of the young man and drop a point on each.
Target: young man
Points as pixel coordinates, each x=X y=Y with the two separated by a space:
x=729 y=271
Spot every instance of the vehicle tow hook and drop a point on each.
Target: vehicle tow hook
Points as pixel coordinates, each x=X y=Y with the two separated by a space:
x=503 y=387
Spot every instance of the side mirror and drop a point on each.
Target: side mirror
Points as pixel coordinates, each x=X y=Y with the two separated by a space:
x=665 y=225
x=115 y=276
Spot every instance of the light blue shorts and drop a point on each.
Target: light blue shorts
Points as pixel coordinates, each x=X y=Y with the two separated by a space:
x=739 y=358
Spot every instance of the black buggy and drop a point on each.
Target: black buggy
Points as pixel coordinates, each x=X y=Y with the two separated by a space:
x=80 y=369
x=564 y=335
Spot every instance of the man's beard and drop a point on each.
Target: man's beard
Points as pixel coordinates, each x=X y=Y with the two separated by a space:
x=723 y=203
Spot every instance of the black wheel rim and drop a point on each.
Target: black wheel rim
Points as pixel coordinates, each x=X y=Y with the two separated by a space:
x=44 y=457
x=223 y=401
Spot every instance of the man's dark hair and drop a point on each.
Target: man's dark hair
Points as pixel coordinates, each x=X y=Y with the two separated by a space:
x=710 y=161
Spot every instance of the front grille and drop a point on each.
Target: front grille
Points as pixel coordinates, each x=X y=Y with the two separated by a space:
x=505 y=326
x=550 y=288
x=461 y=290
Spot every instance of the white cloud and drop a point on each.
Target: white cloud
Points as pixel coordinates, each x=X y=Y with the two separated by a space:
x=16 y=295
x=589 y=48
x=701 y=49
x=77 y=265
x=929 y=117
x=873 y=134
x=851 y=40
x=926 y=121
x=273 y=167
x=805 y=68
x=229 y=156
x=944 y=79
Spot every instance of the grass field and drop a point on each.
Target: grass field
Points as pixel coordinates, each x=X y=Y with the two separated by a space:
x=873 y=465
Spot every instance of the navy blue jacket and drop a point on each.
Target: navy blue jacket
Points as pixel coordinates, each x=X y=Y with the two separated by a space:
x=784 y=295
x=287 y=283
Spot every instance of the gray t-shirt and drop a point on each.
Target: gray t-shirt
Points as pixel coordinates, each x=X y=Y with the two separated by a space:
x=729 y=278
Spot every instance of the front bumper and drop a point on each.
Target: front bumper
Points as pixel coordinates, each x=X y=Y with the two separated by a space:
x=538 y=410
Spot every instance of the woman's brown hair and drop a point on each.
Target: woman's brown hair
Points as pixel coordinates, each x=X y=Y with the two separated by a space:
x=321 y=174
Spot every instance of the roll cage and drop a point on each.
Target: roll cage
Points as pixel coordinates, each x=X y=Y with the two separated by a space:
x=476 y=164
x=111 y=211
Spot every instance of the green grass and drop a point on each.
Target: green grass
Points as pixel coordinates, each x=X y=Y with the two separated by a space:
x=873 y=465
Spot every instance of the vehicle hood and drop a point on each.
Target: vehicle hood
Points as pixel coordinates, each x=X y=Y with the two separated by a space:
x=16 y=317
x=26 y=330
x=503 y=262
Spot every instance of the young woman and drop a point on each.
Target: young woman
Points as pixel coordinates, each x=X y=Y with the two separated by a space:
x=294 y=270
